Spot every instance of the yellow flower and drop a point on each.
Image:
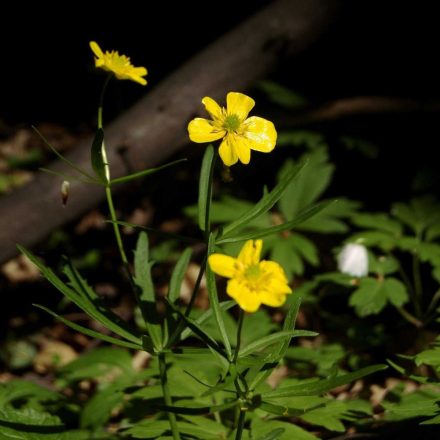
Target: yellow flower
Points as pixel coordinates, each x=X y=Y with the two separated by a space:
x=252 y=282
x=120 y=65
x=240 y=134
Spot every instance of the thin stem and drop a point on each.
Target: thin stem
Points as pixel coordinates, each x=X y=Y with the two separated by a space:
x=167 y=395
x=240 y=425
x=239 y=328
x=111 y=208
x=409 y=317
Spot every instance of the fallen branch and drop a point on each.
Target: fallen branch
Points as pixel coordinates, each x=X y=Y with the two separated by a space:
x=155 y=127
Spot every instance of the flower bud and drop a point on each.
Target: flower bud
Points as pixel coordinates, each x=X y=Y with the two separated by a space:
x=65 y=190
x=353 y=260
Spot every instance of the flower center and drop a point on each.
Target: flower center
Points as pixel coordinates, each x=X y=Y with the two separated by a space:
x=231 y=123
x=252 y=273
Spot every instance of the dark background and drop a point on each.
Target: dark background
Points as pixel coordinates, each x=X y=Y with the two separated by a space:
x=371 y=48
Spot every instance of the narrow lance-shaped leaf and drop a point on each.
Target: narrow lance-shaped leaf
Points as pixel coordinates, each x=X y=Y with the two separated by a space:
x=144 y=173
x=280 y=351
x=179 y=274
x=301 y=217
x=205 y=188
x=324 y=385
x=82 y=301
x=97 y=156
x=272 y=339
x=266 y=202
x=214 y=302
x=147 y=299
x=88 y=332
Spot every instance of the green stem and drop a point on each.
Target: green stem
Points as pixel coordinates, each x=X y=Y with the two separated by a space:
x=240 y=425
x=239 y=328
x=167 y=395
x=409 y=317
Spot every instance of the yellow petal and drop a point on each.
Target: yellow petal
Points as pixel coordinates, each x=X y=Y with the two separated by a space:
x=246 y=299
x=138 y=79
x=227 y=152
x=239 y=104
x=241 y=147
x=272 y=299
x=250 y=252
x=276 y=271
x=213 y=108
x=96 y=49
x=261 y=134
x=203 y=130
x=222 y=265
x=139 y=71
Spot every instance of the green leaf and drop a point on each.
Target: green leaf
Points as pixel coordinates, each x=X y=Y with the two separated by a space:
x=83 y=300
x=97 y=156
x=145 y=173
x=290 y=431
x=281 y=95
x=379 y=221
x=214 y=302
x=97 y=410
x=369 y=298
x=273 y=338
x=396 y=292
x=196 y=329
x=205 y=188
x=266 y=202
x=179 y=274
x=224 y=305
x=309 y=185
x=322 y=386
x=302 y=216
x=273 y=435
x=328 y=416
x=147 y=299
x=88 y=332
x=301 y=138
x=278 y=352
x=429 y=357
x=382 y=265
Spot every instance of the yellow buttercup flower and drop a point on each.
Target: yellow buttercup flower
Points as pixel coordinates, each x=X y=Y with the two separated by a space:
x=252 y=282
x=120 y=65
x=240 y=134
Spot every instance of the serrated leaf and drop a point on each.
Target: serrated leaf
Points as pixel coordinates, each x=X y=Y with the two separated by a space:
x=380 y=221
x=369 y=298
x=396 y=292
x=275 y=434
x=328 y=416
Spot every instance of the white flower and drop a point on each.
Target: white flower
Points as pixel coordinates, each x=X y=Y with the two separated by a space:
x=353 y=260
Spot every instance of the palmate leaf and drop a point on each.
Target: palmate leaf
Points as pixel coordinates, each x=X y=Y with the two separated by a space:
x=322 y=386
x=85 y=301
x=290 y=431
